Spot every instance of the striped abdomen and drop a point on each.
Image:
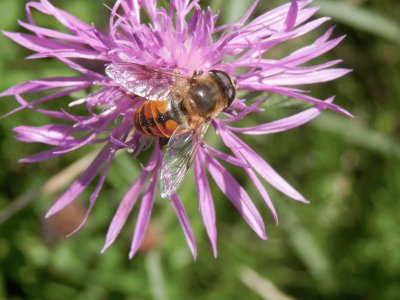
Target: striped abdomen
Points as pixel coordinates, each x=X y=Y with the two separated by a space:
x=157 y=118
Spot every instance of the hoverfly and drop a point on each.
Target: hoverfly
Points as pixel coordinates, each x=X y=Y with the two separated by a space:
x=177 y=109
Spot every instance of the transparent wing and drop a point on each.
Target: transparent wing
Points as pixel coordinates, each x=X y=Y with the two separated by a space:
x=179 y=155
x=147 y=82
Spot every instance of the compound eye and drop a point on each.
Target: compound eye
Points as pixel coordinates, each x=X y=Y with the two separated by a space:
x=231 y=94
x=227 y=84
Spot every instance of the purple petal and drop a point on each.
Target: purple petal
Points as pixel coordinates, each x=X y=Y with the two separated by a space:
x=81 y=69
x=226 y=157
x=236 y=194
x=40 y=156
x=53 y=96
x=124 y=210
x=61 y=150
x=309 y=26
x=80 y=184
x=60 y=82
x=263 y=192
x=294 y=78
x=206 y=203
x=260 y=165
x=69 y=53
x=294 y=94
x=25 y=87
x=292 y=15
x=95 y=193
x=241 y=21
x=66 y=19
x=300 y=70
x=283 y=124
x=185 y=223
x=51 y=33
x=38 y=44
x=318 y=48
x=275 y=20
x=254 y=107
x=142 y=222
x=78 y=143
x=257 y=46
x=44 y=84
x=56 y=152
x=52 y=134
x=62 y=115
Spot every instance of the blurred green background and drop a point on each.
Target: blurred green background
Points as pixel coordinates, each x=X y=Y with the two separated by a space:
x=344 y=245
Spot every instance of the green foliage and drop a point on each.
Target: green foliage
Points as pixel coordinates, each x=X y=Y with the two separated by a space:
x=344 y=245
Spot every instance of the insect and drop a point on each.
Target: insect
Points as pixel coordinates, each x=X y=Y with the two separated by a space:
x=177 y=109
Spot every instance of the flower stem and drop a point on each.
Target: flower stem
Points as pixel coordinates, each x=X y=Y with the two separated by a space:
x=154 y=270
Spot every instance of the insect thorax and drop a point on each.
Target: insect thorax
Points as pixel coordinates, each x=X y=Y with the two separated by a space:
x=205 y=97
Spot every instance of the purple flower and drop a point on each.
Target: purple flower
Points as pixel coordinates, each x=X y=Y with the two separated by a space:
x=182 y=38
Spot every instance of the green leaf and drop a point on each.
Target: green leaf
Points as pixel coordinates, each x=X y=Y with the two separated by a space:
x=361 y=18
x=10 y=13
x=359 y=134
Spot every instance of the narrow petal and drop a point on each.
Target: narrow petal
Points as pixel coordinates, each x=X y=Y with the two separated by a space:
x=78 y=143
x=40 y=156
x=185 y=223
x=95 y=193
x=53 y=96
x=263 y=192
x=260 y=165
x=62 y=115
x=65 y=18
x=226 y=157
x=241 y=21
x=60 y=82
x=124 y=210
x=25 y=87
x=297 y=95
x=38 y=44
x=289 y=79
x=129 y=200
x=285 y=123
x=52 y=134
x=206 y=203
x=236 y=194
x=292 y=15
x=254 y=107
x=80 y=184
x=142 y=222
x=307 y=53
x=51 y=33
x=69 y=53
x=61 y=150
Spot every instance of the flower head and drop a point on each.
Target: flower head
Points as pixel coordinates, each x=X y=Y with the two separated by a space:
x=180 y=39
